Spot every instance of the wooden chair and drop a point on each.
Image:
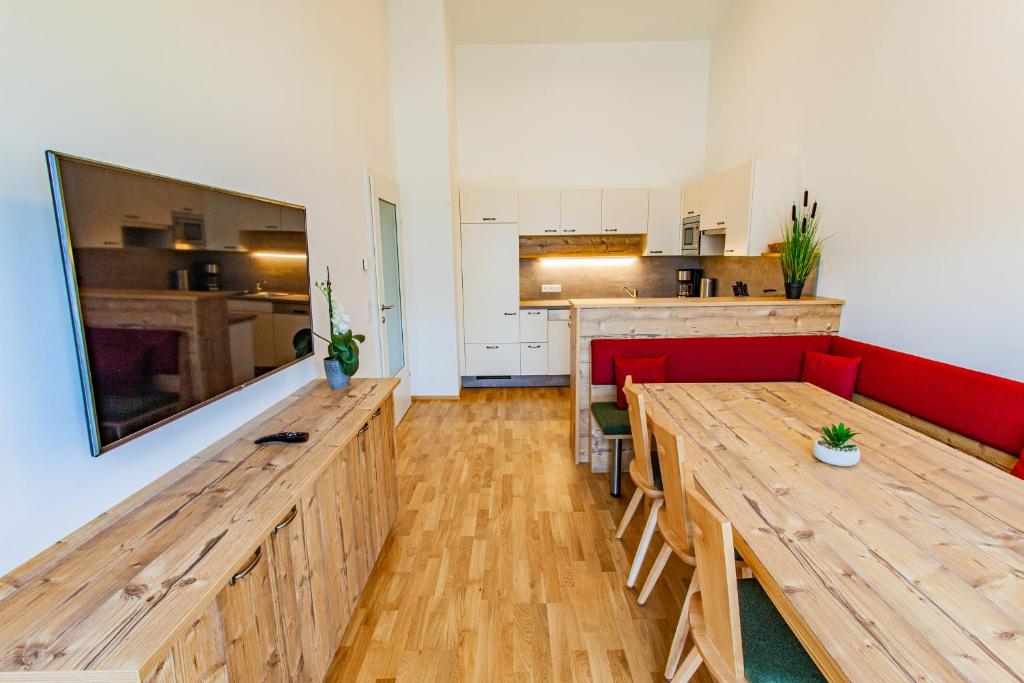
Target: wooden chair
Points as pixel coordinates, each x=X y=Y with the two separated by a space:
x=674 y=526
x=644 y=473
x=737 y=633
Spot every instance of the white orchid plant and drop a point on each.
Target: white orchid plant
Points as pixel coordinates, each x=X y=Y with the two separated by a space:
x=342 y=345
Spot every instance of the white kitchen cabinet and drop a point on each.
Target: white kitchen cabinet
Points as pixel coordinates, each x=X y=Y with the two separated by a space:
x=256 y=215
x=490 y=283
x=262 y=329
x=90 y=198
x=533 y=325
x=581 y=211
x=286 y=325
x=692 y=198
x=759 y=196
x=184 y=198
x=292 y=219
x=144 y=201
x=488 y=205
x=493 y=359
x=664 y=228
x=540 y=212
x=624 y=211
x=533 y=359
x=220 y=214
x=558 y=347
x=715 y=202
x=243 y=360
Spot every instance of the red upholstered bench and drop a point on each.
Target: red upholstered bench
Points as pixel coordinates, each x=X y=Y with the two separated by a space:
x=978 y=413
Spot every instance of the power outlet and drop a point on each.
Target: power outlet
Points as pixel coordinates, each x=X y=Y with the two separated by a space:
x=548 y=289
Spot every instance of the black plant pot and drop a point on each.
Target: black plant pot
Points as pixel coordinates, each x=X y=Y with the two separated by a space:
x=794 y=290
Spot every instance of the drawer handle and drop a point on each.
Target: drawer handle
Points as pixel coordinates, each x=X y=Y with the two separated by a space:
x=490 y=218
x=245 y=572
x=533 y=313
x=491 y=347
x=656 y=251
x=362 y=430
x=376 y=413
x=286 y=521
x=511 y=314
x=533 y=346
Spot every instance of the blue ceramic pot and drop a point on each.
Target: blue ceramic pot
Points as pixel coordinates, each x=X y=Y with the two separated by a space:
x=336 y=378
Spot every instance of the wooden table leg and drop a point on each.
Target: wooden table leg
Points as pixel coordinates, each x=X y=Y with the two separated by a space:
x=617 y=470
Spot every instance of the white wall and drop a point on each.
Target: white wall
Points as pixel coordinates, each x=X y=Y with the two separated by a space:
x=424 y=138
x=582 y=114
x=290 y=101
x=907 y=117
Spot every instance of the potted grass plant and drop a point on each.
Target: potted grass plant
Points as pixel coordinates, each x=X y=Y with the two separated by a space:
x=836 y=446
x=343 y=346
x=801 y=247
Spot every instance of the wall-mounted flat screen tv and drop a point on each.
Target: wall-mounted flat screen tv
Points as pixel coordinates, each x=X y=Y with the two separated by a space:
x=179 y=292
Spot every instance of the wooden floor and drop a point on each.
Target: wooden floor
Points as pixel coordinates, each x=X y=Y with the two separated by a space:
x=503 y=564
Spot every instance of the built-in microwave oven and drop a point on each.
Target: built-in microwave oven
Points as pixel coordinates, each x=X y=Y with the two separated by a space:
x=189 y=229
x=691 y=236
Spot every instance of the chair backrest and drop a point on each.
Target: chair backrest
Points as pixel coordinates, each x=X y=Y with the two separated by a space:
x=719 y=597
x=641 y=434
x=674 y=474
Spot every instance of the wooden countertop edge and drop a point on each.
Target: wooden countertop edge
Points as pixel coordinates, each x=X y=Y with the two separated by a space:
x=705 y=302
x=262 y=514
x=544 y=303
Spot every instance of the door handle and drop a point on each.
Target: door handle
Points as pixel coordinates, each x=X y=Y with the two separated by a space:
x=286 y=521
x=511 y=314
x=387 y=307
x=245 y=572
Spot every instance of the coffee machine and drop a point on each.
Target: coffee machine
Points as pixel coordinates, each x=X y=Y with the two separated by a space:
x=688 y=281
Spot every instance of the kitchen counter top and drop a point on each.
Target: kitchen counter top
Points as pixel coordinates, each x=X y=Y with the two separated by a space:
x=668 y=302
x=151 y=293
x=277 y=297
x=544 y=303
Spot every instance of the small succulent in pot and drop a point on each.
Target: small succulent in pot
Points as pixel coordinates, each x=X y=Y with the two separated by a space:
x=836 y=446
x=342 y=348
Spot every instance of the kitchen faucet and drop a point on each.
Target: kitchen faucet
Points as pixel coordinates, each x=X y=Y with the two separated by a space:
x=633 y=293
x=260 y=285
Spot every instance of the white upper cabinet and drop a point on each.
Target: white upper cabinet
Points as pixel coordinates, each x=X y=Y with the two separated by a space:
x=292 y=219
x=540 y=212
x=714 y=202
x=490 y=283
x=664 y=236
x=220 y=213
x=260 y=216
x=144 y=201
x=692 y=195
x=581 y=211
x=760 y=195
x=624 y=211
x=489 y=205
x=90 y=198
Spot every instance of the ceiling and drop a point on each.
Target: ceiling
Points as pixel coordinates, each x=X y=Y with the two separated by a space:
x=583 y=21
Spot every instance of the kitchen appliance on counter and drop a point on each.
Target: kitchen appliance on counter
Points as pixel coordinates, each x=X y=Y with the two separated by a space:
x=189 y=230
x=708 y=285
x=691 y=236
x=211 y=276
x=688 y=281
x=180 y=279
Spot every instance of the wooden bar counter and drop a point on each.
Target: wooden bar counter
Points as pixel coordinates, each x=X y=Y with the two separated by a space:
x=626 y=318
x=243 y=564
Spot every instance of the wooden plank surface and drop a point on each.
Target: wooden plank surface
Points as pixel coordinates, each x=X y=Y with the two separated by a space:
x=116 y=593
x=691 y=317
x=908 y=566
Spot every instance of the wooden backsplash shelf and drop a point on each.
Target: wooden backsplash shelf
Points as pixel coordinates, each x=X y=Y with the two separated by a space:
x=537 y=246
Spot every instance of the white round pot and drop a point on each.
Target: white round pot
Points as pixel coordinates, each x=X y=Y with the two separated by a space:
x=846 y=458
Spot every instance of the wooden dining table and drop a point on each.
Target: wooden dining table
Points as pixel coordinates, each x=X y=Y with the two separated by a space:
x=908 y=566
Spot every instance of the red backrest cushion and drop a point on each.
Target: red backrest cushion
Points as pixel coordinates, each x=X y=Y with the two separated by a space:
x=983 y=407
x=837 y=374
x=641 y=370
x=711 y=359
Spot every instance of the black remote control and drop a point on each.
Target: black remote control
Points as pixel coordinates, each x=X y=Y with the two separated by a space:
x=287 y=437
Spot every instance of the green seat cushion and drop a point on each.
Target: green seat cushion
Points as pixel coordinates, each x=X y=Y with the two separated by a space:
x=771 y=653
x=611 y=420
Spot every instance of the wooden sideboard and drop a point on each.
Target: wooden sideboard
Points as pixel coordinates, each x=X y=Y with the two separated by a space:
x=242 y=564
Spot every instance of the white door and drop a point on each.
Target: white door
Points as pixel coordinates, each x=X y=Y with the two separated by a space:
x=581 y=212
x=540 y=212
x=664 y=233
x=387 y=242
x=490 y=283
x=488 y=205
x=624 y=211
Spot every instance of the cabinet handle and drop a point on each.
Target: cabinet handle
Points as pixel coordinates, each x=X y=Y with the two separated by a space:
x=533 y=313
x=511 y=314
x=720 y=223
x=113 y=244
x=245 y=572
x=362 y=430
x=376 y=413
x=729 y=251
x=689 y=213
x=568 y=230
x=271 y=227
x=611 y=229
x=230 y=246
x=187 y=208
x=533 y=346
x=547 y=230
x=656 y=251
x=490 y=218
x=286 y=521
x=490 y=347
x=131 y=215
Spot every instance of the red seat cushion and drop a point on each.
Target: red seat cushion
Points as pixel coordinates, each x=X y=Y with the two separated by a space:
x=1018 y=469
x=641 y=370
x=711 y=359
x=983 y=407
x=837 y=374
